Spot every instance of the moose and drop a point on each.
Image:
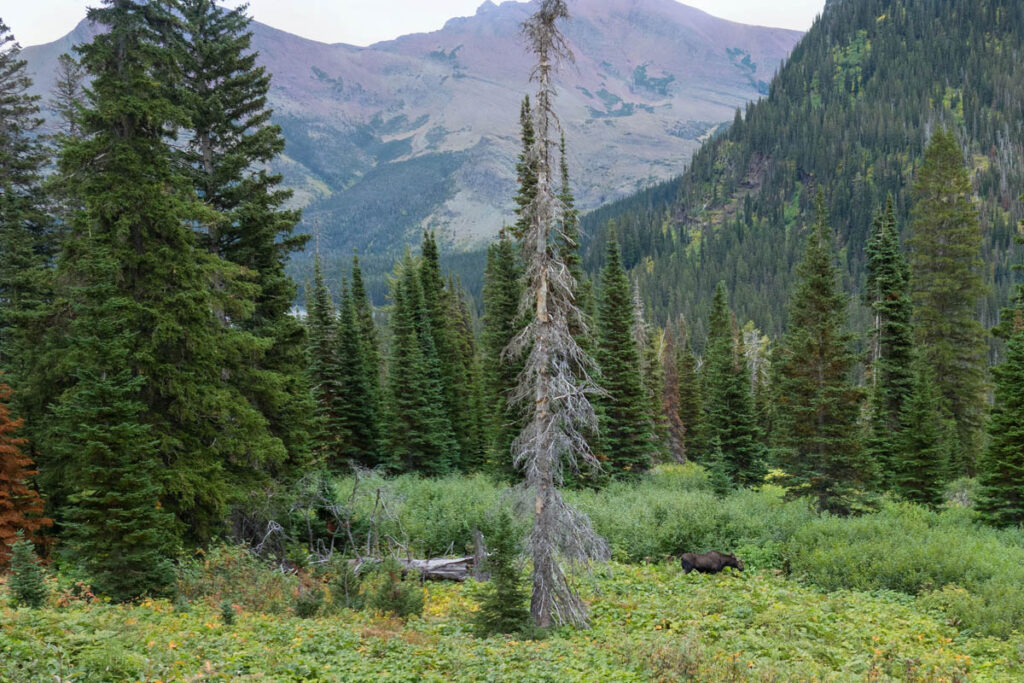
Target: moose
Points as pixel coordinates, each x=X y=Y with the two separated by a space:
x=710 y=562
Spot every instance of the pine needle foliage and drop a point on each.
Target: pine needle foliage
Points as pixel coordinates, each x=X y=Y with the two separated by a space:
x=27 y=582
x=503 y=608
x=817 y=405
x=946 y=267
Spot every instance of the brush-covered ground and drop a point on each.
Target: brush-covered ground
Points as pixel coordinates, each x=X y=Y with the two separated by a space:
x=902 y=594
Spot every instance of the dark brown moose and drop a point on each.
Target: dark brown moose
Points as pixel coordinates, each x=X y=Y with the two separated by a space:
x=710 y=563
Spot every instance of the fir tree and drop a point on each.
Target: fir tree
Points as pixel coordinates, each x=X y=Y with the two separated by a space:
x=690 y=399
x=131 y=226
x=503 y=607
x=728 y=403
x=503 y=285
x=474 y=447
x=116 y=528
x=325 y=373
x=21 y=507
x=887 y=292
x=445 y=348
x=625 y=427
x=27 y=582
x=1001 y=474
x=945 y=260
x=526 y=169
x=421 y=436
x=649 y=351
x=230 y=143
x=68 y=94
x=817 y=404
x=368 y=335
x=920 y=465
x=357 y=406
x=27 y=238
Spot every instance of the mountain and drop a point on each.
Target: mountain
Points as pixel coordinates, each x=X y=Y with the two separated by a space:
x=423 y=130
x=851 y=112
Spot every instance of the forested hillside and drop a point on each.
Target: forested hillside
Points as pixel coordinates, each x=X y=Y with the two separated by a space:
x=851 y=112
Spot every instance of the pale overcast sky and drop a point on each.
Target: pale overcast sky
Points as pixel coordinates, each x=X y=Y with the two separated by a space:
x=362 y=22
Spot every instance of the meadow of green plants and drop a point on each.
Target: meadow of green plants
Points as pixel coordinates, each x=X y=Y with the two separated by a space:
x=899 y=594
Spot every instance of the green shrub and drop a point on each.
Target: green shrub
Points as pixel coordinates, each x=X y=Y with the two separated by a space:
x=953 y=562
x=393 y=593
x=28 y=581
x=234 y=574
x=308 y=602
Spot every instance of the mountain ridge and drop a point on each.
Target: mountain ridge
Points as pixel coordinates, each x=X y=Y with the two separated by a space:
x=439 y=110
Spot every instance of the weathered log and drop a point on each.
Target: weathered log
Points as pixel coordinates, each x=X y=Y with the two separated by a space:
x=433 y=569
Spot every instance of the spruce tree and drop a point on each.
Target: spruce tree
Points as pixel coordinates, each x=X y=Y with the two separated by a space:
x=27 y=582
x=946 y=266
x=887 y=292
x=1001 y=500
x=817 y=405
x=690 y=398
x=329 y=434
x=526 y=169
x=131 y=226
x=21 y=507
x=625 y=428
x=474 y=446
x=567 y=243
x=421 y=436
x=356 y=404
x=503 y=608
x=920 y=462
x=28 y=240
x=230 y=143
x=116 y=528
x=729 y=418
x=503 y=286
x=441 y=326
x=648 y=343
x=369 y=337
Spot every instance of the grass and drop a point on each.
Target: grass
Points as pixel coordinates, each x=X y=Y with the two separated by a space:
x=650 y=622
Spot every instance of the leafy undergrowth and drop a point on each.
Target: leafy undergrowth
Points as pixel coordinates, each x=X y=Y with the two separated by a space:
x=650 y=622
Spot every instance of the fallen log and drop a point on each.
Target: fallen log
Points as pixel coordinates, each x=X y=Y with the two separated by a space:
x=434 y=569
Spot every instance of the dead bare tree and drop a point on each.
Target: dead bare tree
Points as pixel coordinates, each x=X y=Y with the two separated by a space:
x=556 y=382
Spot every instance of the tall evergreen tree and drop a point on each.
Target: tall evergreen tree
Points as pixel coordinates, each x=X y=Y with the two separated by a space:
x=230 y=143
x=133 y=212
x=369 y=337
x=474 y=446
x=27 y=239
x=116 y=527
x=921 y=452
x=503 y=286
x=648 y=344
x=1001 y=474
x=946 y=265
x=887 y=292
x=690 y=398
x=357 y=404
x=325 y=372
x=21 y=507
x=421 y=436
x=729 y=419
x=436 y=301
x=817 y=403
x=526 y=169
x=625 y=427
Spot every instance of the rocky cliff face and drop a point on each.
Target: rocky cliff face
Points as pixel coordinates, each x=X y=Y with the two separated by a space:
x=423 y=130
